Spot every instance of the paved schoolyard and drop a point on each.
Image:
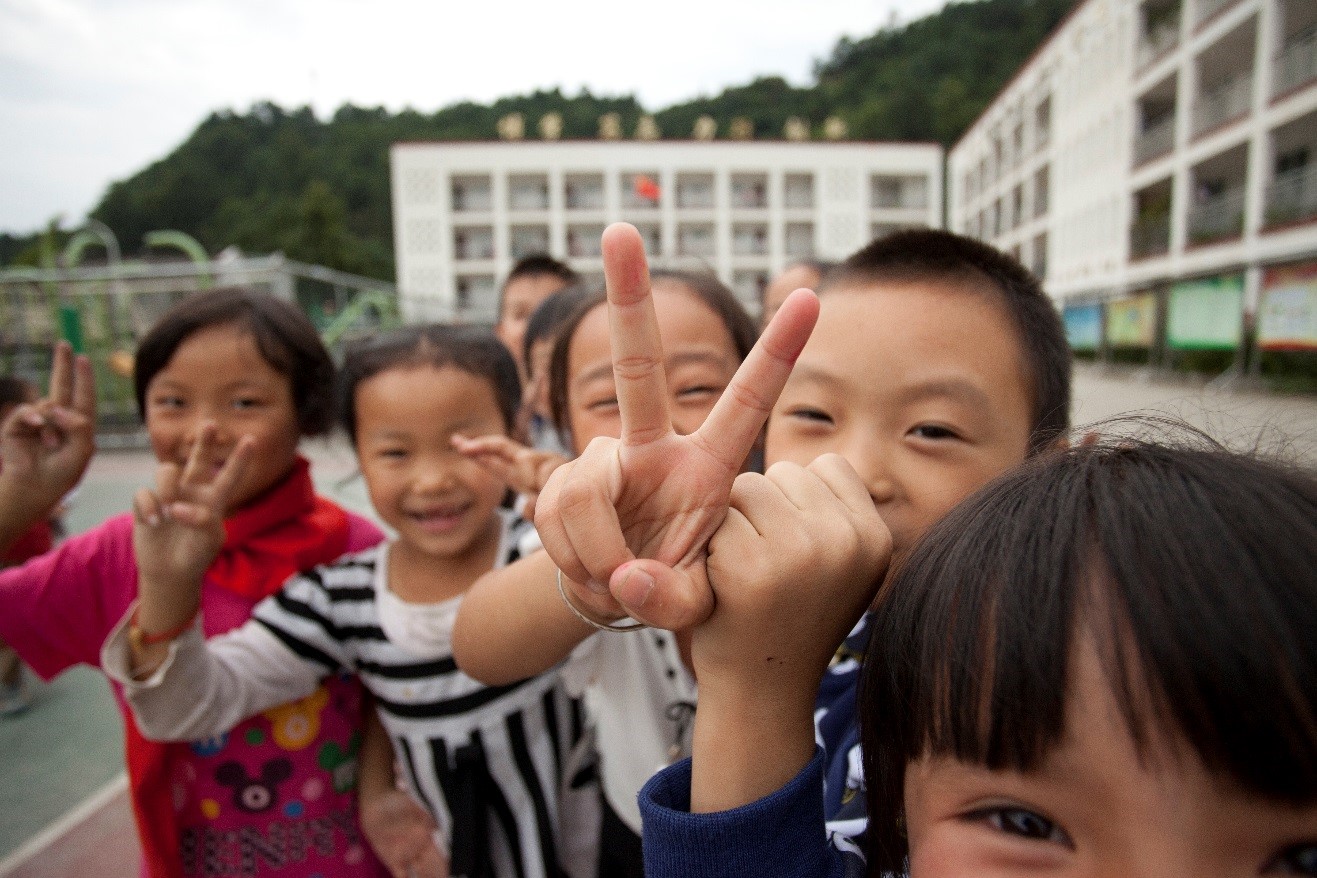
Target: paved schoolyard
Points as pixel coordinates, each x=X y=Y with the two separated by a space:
x=62 y=807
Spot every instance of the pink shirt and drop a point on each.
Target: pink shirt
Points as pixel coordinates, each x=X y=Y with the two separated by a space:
x=276 y=796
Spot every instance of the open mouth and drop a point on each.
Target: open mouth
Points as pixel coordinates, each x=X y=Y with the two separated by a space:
x=439 y=519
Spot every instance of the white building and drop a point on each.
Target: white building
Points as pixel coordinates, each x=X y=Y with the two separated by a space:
x=1159 y=158
x=463 y=213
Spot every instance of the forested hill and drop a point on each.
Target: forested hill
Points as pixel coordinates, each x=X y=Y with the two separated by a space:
x=279 y=179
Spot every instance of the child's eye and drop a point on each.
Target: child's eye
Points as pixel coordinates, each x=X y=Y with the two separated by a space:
x=1297 y=859
x=168 y=402
x=933 y=431
x=1023 y=823
x=246 y=402
x=697 y=392
x=603 y=405
x=811 y=415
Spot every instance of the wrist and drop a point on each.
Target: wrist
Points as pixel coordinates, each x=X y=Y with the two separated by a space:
x=747 y=745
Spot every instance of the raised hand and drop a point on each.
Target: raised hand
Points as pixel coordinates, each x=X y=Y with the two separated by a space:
x=178 y=529
x=524 y=469
x=46 y=446
x=631 y=518
x=794 y=565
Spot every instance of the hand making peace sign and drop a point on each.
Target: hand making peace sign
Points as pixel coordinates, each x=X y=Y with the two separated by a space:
x=632 y=517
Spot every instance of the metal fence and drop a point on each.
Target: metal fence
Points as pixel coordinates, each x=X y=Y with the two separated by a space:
x=103 y=312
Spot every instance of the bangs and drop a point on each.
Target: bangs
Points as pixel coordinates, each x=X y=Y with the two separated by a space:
x=1192 y=569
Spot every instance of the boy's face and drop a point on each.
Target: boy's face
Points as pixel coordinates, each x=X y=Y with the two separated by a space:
x=921 y=386
x=520 y=299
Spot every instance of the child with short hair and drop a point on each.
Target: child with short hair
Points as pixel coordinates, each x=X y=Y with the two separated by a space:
x=1102 y=663
x=239 y=374
x=487 y=762
x=532 y=279
x=936 y=364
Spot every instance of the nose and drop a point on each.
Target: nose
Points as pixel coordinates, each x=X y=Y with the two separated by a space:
x=433 y=477
x=872 y=462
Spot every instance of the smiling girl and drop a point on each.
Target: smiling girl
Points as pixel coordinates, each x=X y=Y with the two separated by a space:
x=486 y=761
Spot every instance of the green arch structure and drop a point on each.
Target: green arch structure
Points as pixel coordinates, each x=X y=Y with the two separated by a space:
x=190 y=246
x=384 y=304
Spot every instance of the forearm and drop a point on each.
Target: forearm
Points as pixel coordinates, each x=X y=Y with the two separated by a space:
x=513 y=624
x=376 y=775
x=203 y=689
x=18 y=511
x=746 y=744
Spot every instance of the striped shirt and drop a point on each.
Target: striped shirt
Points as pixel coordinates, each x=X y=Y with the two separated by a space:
x=492 y=764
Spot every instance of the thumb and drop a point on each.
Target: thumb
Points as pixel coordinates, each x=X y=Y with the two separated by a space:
x=656 y=594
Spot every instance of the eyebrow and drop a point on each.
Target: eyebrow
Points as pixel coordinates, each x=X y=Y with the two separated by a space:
x=680 y=358
x=953 y=388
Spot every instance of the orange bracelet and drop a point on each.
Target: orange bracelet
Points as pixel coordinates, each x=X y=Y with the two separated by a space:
x=139 y=638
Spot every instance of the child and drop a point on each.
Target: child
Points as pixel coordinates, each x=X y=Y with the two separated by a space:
x=936 y=364
x=249 y=372
x=1101 y=664
x=514 y=622
x=533 y=279
x=486 y=761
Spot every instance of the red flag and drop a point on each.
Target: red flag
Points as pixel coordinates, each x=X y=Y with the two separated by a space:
x=647 y=188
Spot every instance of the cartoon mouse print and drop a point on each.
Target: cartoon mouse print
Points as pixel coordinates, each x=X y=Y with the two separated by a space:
x=251 y=794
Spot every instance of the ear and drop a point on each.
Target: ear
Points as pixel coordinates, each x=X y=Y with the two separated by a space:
x=275 y=771
x=232 y=774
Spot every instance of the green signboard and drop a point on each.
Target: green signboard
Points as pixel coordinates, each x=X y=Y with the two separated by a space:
x=1206 y=314
x=1132 y=322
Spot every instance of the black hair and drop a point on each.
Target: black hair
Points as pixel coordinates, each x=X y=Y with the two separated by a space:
x=471 y=349
x=536 y=265
x=284 y=336
x=15 y=391
x=1190 y=566
x=915 y=255
x=705 y=287
x=549 y=315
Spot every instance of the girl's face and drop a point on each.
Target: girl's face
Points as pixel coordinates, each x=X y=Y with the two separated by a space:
x=1095 y=808
x=441 y=503
x=217 y=374
x=700 y=359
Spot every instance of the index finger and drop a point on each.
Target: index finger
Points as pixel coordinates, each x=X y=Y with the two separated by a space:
x=731 y=429
x=642 y=386
x=61 y=374
x=233 y=469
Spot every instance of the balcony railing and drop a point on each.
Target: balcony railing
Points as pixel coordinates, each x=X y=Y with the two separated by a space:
x=1208 y=8
x=1292 y=197
x=1296 y=65
x=1224 y=103
x=1156 y=140
x=1158 y=42
x=1150 y=235
x=1217 y=217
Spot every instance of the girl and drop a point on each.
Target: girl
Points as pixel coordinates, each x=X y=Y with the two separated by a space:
x=486 y=761
x=223 y=370
x=1103 y=663
x=516 y=622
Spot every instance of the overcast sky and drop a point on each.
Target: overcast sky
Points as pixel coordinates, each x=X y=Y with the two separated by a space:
x=92 y=91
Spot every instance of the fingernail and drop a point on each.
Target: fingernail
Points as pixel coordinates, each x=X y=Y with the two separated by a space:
x=596 y=587
x=635 y=588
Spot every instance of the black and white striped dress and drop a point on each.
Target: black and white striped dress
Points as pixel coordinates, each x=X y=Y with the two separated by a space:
x=490 y=763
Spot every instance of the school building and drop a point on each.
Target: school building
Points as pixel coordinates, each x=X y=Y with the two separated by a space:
x=464 y=213
x=1156 y=163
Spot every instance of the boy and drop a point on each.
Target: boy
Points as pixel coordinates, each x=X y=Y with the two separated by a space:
x=936 y=364
x=532 y=280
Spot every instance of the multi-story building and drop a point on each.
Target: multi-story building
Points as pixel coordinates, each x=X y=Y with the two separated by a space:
x=463 y=213
x=1156 y=163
